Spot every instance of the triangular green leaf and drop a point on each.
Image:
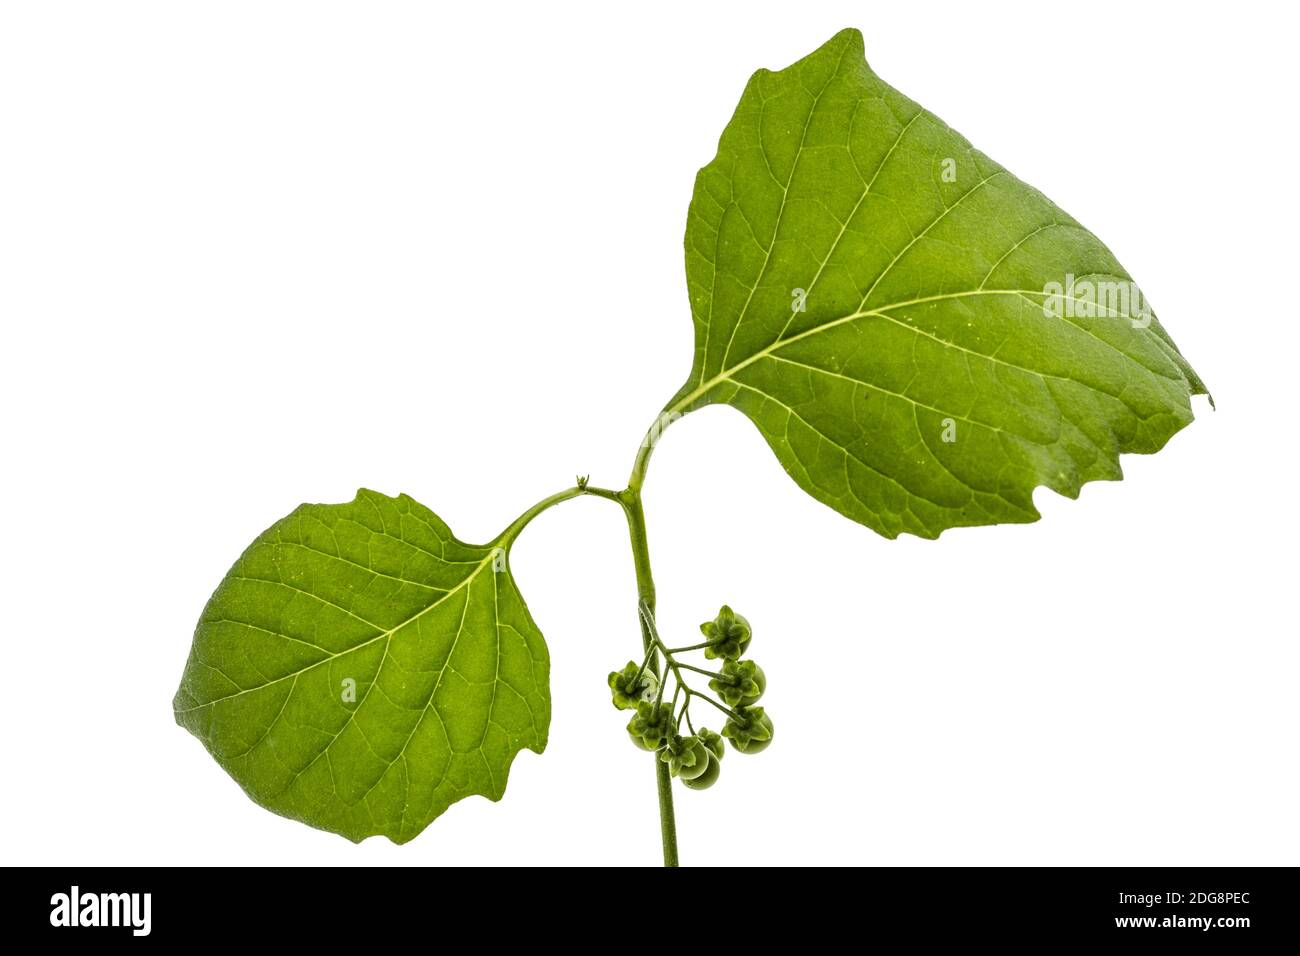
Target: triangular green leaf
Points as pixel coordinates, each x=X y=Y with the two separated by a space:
x=359 y=669
x=923 y=384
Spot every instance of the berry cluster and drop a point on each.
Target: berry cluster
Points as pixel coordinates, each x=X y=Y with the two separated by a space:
x=695 y=757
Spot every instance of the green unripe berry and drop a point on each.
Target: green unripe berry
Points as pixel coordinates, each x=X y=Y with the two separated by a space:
x=750 y=731
x=687 y=757
x=712 y=741
x=640 y=741
x=708 y=778
x=652 y=726
x=742 y=683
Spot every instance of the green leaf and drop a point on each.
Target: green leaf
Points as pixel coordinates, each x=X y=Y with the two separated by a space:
x=359 y=669
x=923 y=386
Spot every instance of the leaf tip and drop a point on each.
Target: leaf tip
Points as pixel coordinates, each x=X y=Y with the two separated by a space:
x=850 y=37
x=841 y=46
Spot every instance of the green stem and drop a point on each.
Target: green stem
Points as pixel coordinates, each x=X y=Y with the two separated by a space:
x=700 y=670
x=726 y=710
x=645 y=587
x=693 y=647
x=644 y=665
x=507 y=537
x=674 y=665
x=630 y=500
x=652 y=436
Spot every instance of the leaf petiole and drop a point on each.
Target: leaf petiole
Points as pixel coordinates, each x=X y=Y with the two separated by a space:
x=507 y=537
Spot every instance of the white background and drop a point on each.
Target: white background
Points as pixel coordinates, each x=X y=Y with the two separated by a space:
x=253 y=254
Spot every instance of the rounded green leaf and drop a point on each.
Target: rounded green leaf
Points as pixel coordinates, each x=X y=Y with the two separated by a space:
x=360 y=669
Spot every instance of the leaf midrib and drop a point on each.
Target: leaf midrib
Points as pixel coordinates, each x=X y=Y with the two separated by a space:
x=683 y=403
